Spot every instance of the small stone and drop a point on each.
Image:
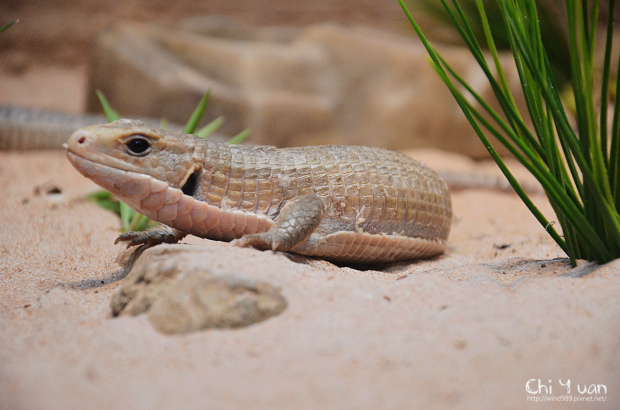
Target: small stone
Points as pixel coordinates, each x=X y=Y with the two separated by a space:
x=178 y=298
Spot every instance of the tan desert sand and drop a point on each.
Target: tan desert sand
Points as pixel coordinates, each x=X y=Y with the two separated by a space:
x=500 y=321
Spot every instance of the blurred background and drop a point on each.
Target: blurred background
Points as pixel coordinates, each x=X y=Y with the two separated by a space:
x=61 y=31
x=294 y=72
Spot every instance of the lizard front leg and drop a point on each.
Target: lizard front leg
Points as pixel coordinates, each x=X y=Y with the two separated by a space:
x=297 y=220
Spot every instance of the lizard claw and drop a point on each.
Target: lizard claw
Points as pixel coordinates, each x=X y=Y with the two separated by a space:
x=256 y=241
x=151 y=237
x=262 y=241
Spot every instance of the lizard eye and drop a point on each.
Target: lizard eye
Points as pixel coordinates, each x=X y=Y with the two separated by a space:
x=138 y=145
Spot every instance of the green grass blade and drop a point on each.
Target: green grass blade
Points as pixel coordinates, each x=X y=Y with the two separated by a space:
x=614 y=150
x=109 y=112
x=550 y=94
x=529 y=56
x=502 y=94
x=140 y=222
x=105 y=200
x=605 y=79
x=126 y=216
x=100 y=195
x=211 y=127
x=239 y=138
x=8 y=25
x=194 y=119
x=164 y=124
x=493 y=51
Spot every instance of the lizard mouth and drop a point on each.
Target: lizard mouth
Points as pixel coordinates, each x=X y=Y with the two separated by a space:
x=131 y=187
x=87 y=167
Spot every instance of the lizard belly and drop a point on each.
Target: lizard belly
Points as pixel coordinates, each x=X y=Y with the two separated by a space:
x=370 y=248
x=339 y=240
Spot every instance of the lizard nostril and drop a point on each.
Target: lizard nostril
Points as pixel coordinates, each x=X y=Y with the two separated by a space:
x=81 y=139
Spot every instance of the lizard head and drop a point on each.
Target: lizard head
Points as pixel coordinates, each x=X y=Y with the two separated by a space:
x=127 y=157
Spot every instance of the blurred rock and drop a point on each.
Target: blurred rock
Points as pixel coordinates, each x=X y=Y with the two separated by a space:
x=324 y=84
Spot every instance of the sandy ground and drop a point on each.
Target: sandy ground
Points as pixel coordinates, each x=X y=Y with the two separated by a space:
x=501 y=313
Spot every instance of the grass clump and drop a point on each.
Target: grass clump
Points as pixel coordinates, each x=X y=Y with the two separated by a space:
x=574 y=159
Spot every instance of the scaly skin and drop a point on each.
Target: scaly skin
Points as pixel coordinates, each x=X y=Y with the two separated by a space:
x=344 y=203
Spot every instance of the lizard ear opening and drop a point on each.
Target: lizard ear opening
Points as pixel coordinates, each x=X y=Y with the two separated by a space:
x=191 y=184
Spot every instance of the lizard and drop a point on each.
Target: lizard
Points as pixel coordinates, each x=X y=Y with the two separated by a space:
x=340 y=203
